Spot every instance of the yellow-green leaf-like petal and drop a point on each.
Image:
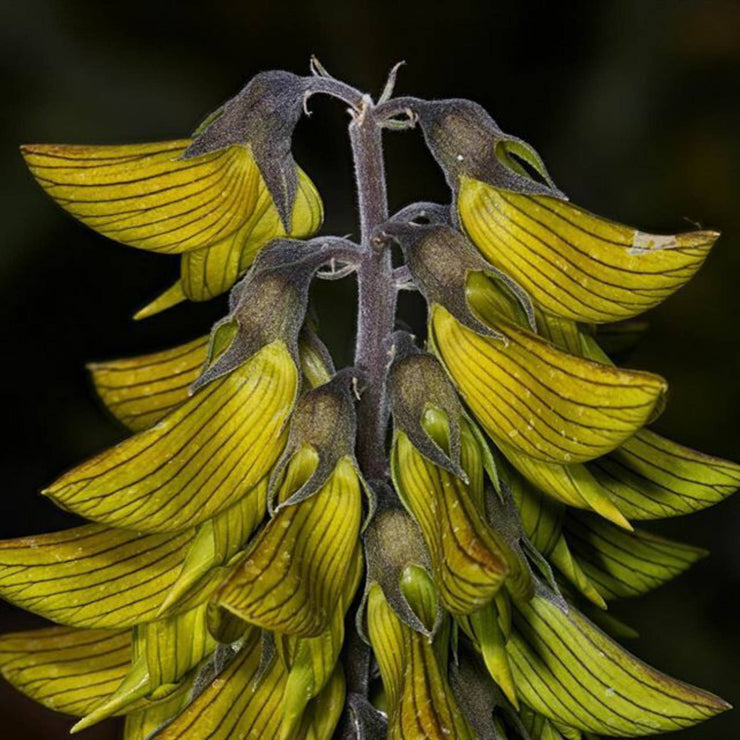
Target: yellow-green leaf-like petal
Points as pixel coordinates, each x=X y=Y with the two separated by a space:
x=420 y=700
x=145 y=195
x=196 y=461
x=235 y=705
x=208 y=272
x=569 y=671
x=66 y=669
x=92 y=576
x=546 y=403
x=295 y=568
x=140 y=391
x=622 y=564
x=468 y=559
x=650 y=477
x=572 y=263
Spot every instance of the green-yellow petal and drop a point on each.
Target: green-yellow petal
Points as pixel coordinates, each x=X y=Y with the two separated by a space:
x=296 y=567
x=469 y=560
x=572 y=263
x=196 y=461
x=569 y=671
x=66 y=669
x=139 y=391
x=546 y=403
x=92 y=576
x=145 y=195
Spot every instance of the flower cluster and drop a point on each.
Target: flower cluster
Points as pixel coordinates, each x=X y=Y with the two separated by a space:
x=263 y=559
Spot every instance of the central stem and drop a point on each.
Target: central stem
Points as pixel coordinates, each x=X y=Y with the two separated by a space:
x=376 y=293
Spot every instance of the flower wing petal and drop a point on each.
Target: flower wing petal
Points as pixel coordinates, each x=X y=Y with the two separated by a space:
x=145 y=195
x=575 y=264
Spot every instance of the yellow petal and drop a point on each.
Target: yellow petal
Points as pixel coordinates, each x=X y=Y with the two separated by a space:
x=311 y=660
x=208 y=272
x=169 y=298
x=623 y=564
x=216 y=541
x=468 y=559
x=142 y=390
x=145 y=196
x=197 y=460
x=420 y=700
x=296 y=567
x=650 y=477
x=572 y=484
x=575 y=264
x=235 y=705
x=92 y=576
x=570 y=672
x=548 y=404
x=66 y=669
x=141 y=725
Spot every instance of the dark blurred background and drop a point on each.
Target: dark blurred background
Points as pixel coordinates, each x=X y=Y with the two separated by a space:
x=633 y=104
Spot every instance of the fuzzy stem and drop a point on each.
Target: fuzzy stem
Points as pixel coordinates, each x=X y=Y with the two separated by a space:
x=376 y=293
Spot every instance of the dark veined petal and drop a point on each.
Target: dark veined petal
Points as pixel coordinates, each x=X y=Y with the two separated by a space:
x=164 y=652
x=622 y=564
x=575 y=264
x=550 y=405
x=142 y=390
x=323 y=713
x=240 y=703
x=650 y=477
x=569 y=671
x=420 y=700
x=141 y=725
x=92 y=576
x=145 y=195
x=216 y=541
x=208 y=272
x=469 y=560
x=66 y=669
x=196 y=461
x=295 y=569
x=311 y=661
x=572 y=484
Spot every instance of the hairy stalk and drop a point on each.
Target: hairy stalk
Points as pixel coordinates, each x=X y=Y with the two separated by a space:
x=376 y=292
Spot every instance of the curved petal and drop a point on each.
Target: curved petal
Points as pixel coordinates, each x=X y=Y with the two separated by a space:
x=142 y=390
x=296 y=567
x=66 y=669
x=548 y=404
x=650 y=477
x=145 y=195
x=575 y=264
x=243 y=701
x=198 y=460
x=571 y=672
x=469 y=561
x=92 y=576
x=622 y=564
x=421 y=702
x=208 y=272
